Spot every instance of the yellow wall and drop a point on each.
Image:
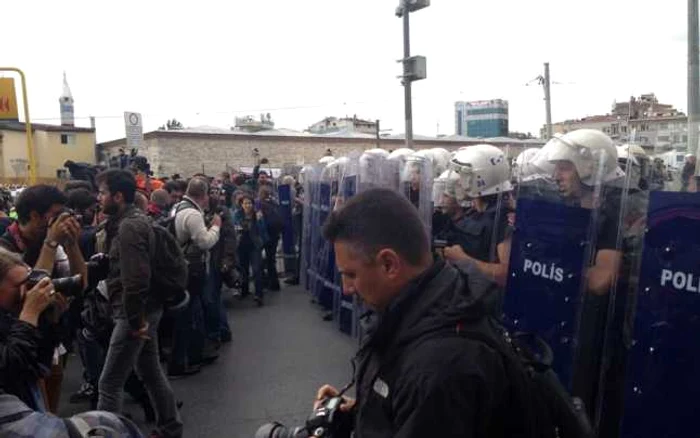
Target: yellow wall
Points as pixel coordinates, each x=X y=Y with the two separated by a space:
x=50 y=154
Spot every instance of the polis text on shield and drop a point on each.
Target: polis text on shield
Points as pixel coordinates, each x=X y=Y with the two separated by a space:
x=549 y=271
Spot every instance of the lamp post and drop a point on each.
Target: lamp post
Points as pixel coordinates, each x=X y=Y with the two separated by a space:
x=414 y=68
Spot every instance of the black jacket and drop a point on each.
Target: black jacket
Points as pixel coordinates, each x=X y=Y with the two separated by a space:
x=416 y=377
x=26 y=353
x=129 y=280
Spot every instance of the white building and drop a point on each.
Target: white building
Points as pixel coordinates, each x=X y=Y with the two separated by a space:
x=331 y=125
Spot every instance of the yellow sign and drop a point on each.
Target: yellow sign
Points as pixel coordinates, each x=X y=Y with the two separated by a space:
x=8 y=99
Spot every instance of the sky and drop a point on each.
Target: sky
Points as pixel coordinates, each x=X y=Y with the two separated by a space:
x=205 y=62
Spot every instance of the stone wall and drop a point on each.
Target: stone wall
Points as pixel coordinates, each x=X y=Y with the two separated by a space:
x=185 y=153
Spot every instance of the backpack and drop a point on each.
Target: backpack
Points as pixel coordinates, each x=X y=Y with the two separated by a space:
x=273 y=217
x=545 y=408
x=168 y=268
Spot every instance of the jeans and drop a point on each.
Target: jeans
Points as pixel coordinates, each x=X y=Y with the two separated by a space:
x=92 y=355
x=188 y=336
x=126 y=352
x=215 y=318
x=271 y=262
x=250 y=257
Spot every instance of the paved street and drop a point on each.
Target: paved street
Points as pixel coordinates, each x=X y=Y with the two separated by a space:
x=280 y=354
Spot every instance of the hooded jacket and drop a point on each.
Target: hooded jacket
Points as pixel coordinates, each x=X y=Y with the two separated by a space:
x=417 y=378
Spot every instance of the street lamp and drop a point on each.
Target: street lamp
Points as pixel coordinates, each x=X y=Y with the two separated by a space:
x=414 y=68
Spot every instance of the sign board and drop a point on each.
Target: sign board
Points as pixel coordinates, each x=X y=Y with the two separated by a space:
x=662 y=381
x=8 y=99
x=133 y=124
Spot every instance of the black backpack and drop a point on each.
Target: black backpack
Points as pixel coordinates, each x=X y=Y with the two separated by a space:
x=544 y=407
x=168 y=268
x=273 y=217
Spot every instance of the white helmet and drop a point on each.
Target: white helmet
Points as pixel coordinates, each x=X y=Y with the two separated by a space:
x=371 y=164
x=417 y=168
x=444 y=185
x=530 y=164
x=326 y=160
x=482 y=169
x=335 y=170
x=400 y=154
x=587 y=150
x=632 y=151
x=441 y=159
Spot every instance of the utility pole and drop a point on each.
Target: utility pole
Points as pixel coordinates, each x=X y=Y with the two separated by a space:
x=693 y=78
x=548 y=99
x=407 y=101
x=413 y=67
x=379 y=145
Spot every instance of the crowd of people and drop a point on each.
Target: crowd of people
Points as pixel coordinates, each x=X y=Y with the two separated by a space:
x=85 y=268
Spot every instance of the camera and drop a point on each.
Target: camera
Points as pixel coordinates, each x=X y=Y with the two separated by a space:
x=66 y=286
x=327 y=421
x=98 y=269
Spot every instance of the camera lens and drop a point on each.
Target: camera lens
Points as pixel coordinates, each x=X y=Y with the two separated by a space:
x=69 y=286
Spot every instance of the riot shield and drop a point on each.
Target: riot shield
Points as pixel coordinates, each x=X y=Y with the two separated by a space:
x=308 y=178
x=565 y=258
x=373 y=170
x=661 y=382
x=345 y=307
x=416 y=185
x=394 y=166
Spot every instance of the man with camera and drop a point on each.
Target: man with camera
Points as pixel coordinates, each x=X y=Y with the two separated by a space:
x=27 y=336
x=417 y=375
x=196 y=239
x=47 y=236
x=135 y=308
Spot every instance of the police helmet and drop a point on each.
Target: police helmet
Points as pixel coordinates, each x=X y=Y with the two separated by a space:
x=587 y=150
x=483 y=170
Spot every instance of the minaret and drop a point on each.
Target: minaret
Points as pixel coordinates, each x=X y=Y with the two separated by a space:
x=66 y=101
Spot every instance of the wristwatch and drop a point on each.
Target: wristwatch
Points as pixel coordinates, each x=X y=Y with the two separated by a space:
x=51 y=243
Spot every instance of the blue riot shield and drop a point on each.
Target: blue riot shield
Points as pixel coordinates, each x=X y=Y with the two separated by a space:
x=345 y=304
x=545 y=275
x=325 y=266
x=662 y=381
x=284 y=193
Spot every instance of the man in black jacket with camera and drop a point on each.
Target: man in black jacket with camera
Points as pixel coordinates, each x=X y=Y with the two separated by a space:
x=416 y=376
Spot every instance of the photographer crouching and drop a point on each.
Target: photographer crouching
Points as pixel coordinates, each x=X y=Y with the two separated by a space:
x=418 y=373
x=27 y=329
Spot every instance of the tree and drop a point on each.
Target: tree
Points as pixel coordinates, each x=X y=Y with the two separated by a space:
x=171 y=125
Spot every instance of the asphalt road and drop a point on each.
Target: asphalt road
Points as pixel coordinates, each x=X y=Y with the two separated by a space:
x=280 y=355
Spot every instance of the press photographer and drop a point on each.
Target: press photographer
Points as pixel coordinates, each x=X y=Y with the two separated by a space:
x=416 y=376
x=28 y=336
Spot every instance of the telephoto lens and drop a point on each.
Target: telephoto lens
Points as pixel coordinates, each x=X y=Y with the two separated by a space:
x=279 y=430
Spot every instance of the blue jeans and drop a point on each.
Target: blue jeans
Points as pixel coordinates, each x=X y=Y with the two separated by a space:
x=188 y=336
x=250 y=258
x=215 y=317
x=126 y=352
x=92 y=355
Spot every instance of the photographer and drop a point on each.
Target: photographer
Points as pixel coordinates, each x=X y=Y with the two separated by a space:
x=416 y=376
x=196 y=240
x=27 y=340
x=48 y=239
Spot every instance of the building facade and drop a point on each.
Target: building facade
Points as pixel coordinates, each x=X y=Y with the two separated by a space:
x=482 y=119
x=190 y=151
x=53 y=146
x=347 y=124
x=643 y=120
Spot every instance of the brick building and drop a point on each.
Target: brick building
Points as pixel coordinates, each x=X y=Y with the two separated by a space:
x=212 y=150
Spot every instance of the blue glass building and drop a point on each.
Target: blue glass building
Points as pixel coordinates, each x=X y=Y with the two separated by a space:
x=484 y=118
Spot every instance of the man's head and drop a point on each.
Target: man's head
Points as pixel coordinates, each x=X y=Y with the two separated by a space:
x=84 y=203
x=161 y=198
x=141 y=201
x=567 y=179
x=37 y=207
x=176 y=189
x=117 y=190
x=265 y=192
x=380 y=245
x=13 y=274
x=198 y=191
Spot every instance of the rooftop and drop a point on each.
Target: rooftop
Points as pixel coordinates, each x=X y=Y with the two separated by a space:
x=206 y=131
x=21 y=127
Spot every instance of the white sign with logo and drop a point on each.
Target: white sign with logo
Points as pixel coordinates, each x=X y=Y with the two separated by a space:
x=134 y=130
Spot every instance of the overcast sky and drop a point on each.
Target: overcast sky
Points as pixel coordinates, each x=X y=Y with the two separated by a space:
x=204 y=62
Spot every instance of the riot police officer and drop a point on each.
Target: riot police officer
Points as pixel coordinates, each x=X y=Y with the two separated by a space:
x=481 y=236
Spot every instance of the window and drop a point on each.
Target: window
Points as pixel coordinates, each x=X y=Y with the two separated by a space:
x=68 y=139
